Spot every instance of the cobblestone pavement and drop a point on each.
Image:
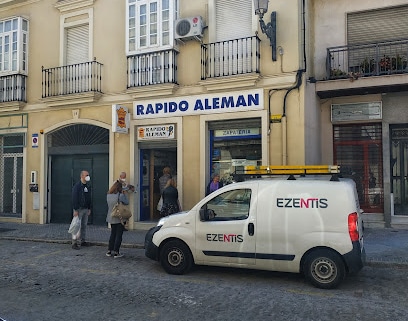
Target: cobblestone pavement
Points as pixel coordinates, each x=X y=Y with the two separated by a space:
x=50 y=281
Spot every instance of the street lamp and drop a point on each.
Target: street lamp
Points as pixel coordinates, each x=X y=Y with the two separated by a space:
x=261 y=7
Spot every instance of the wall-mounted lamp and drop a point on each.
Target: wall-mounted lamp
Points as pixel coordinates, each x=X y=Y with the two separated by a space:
x=261 y=7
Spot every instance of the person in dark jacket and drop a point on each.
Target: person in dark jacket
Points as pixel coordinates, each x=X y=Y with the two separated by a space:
x=81 y=203
x=170 y=198
x=214 y=184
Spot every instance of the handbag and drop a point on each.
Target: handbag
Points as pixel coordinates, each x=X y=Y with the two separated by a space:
x=121 y=211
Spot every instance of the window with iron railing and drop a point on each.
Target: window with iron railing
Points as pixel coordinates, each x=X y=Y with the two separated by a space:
x=231 y=57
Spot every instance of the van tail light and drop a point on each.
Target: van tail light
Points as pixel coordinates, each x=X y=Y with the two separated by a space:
x=353 y=226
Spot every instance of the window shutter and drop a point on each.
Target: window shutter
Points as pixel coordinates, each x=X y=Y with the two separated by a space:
x=77 y=44
x=377 y=25
x=233 y=19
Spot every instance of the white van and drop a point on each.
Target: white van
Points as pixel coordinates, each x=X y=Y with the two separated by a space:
x=309 y=226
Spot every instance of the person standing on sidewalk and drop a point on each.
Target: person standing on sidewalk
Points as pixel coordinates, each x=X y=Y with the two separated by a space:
x=115 y=195
x=81 y=203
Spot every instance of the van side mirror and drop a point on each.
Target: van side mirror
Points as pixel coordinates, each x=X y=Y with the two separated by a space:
x=203 y=214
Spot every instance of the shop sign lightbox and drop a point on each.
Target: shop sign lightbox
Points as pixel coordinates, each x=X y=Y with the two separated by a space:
x=157 y=132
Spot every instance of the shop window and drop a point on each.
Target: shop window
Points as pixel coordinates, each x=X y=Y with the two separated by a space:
x=358 y=151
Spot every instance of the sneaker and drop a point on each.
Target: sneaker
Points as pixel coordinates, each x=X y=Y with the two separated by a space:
x=85 y=244
x=75 y=246
x=109 y=253
x=116 y=255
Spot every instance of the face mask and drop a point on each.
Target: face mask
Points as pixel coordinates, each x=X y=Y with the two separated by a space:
x=87 y=178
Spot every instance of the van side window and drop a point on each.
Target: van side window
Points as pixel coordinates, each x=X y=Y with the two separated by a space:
x=228 y=206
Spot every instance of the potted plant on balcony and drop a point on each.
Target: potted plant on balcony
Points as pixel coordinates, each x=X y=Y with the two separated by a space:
x=399 y=63
x=367 y=66
x=337 y=73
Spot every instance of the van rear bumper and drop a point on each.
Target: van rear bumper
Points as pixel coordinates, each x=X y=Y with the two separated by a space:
x=151 y=250
x=356 y=258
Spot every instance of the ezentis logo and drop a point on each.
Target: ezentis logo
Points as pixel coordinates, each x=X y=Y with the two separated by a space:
x=228 y=238
x=311 y=202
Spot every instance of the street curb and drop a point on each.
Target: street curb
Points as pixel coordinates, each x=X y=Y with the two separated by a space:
x=383 y=264
x=24 y=239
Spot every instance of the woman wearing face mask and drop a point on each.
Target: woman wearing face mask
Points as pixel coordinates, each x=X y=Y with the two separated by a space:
x=81 y=203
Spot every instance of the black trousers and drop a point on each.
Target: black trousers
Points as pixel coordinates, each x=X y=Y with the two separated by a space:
x=115 y=239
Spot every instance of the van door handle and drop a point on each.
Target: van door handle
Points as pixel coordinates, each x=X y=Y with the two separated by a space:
x=251 y=229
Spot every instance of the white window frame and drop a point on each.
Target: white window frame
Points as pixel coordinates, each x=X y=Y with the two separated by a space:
x=66 y=22
x=134 y=33
x=21 y=47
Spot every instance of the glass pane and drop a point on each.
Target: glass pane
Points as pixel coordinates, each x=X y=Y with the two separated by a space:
x=165 y=15
x=7 y=26
x=132 y=23
x=132 y=33
x=165 y=38
x=132 y=11
x=25 y=25
x=165 y=4
x=142 y=20
x=153 y=18
x=142 y=31
x=15 y=24
x=132 y=45
x=143 y=10
x=153 y=7
x=153 y=28
x=1 y=27
x=165 y=26
x=142 y=41
x=153 y=39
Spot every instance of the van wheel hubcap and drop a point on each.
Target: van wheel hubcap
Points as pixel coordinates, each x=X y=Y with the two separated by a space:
x=324 y=270
x=175 y=257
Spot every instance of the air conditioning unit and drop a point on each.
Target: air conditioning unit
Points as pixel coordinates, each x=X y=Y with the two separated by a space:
x=189 y=28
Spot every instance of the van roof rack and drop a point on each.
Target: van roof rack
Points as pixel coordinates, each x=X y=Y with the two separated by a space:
x=292 y=170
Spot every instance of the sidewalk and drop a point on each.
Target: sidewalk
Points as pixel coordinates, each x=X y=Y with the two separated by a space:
x=384 y=246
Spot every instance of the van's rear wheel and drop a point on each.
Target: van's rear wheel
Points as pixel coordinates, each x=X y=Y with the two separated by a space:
x=324 y=269
x=176 y=258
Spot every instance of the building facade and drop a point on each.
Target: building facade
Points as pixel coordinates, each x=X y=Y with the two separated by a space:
x=360 y=66
x=139 y=85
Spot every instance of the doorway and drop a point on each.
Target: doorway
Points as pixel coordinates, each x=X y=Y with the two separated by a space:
x=152 y=162
x=399 y=168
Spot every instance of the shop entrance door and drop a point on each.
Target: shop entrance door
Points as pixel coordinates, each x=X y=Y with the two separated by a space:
x=152 y=162
x=399 y=168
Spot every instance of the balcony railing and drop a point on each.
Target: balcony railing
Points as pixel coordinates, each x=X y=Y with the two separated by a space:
x=152 y=68
x=13 y=88
x=232 y=57
x=364 y=60
x=72 y=79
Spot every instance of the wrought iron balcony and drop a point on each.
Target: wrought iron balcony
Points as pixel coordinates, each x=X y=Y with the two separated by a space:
x=72 y=79
x=374 y=59
x=152 y=68
x=232 y=57
x=13 y=88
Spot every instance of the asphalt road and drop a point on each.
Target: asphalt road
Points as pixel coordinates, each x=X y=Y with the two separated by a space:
x=48 y=281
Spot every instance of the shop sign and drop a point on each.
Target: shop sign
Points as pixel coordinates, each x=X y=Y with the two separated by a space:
x=120 y=119
x=236 y=132
x=155 y=132
x=243 y=162
x=199 y=104
x=356 y=111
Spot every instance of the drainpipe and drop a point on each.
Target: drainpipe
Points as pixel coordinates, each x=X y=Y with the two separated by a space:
x=284 y=123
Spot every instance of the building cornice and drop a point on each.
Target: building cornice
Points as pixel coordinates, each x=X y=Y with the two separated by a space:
x=68 y=5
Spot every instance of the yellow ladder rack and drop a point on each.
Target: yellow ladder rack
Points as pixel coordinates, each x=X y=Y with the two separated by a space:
x=292 y=169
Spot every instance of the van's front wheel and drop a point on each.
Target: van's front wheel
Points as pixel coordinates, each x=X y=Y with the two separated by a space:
x=176 y=258
x=324 y=269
